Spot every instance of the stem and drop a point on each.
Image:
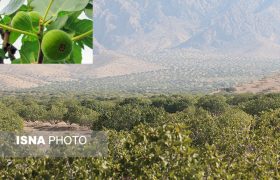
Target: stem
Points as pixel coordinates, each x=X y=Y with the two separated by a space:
x=6 y=40
x=77 y=38
x=40 y=34
x=40 y=54
x=17 y=30
x=47 y=22
x=48 y=9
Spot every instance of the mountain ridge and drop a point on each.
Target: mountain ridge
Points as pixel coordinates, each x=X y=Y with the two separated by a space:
x=221 y=26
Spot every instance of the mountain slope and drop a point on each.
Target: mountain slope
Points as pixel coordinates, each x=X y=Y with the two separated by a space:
x=250 y=27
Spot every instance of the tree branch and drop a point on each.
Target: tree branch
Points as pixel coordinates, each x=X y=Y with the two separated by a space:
x=40 y=54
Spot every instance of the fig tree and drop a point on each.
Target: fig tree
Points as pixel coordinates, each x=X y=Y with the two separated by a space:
x=56 y=45
x=22 y=21
x=35 y=18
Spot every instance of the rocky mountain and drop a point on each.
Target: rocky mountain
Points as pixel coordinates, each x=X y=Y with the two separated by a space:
x=238 y=27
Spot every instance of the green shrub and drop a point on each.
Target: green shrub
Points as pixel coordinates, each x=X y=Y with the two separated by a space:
x=145 y=152
x=33 y=112
x=200 y=123
x=172 y=104
x=80 y=115
x=215 y=104
x=127 y=116
x=269 y=124
x=232 y=131
x=55 y=111
x=237 y=99
x=260 y=104
x=9 y=120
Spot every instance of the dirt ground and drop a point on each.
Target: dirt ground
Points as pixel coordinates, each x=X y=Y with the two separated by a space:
x=265 y=85
x=46 y=126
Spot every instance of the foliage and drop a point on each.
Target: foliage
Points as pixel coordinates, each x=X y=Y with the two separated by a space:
x=31 y=22
x=55 y=111
x=80 y=115
x=9 y=120
x=215 y=104
x=231 y=132
x=269 y=123
x=32 y=111
x=172 y=104
x=260 y=104
x=147 y=142
x=125 y=117
x=241 y=98
x=200 y=122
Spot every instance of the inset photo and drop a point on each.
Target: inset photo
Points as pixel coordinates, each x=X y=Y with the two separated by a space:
x=46 y=31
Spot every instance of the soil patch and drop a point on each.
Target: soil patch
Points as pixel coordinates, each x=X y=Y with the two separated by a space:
x=37 y=126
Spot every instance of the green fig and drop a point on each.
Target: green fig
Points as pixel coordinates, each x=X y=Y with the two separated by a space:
x=35 y=18
x=22 y=21
x=56 y=45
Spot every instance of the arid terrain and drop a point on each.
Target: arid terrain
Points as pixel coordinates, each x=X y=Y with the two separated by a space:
x=29 y=76
x=108 y=65
x=39 y=126
x=264 y=85
x=159 y=73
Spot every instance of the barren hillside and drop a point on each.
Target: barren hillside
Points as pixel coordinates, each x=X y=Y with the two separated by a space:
x=264 y=85
x=28 y=76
